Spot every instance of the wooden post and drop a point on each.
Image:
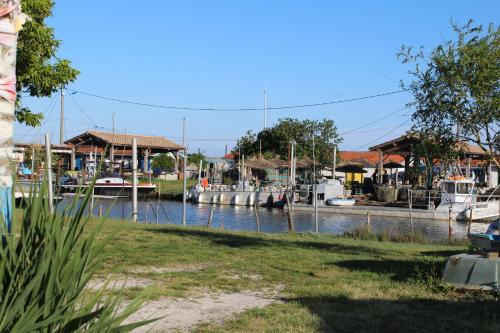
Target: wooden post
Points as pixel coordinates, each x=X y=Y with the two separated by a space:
x=470 y=220
x=449 y=224
x=100 y=210
x=291 y=227
x=410 y=208
x=368 y=222
x=210 y=216
x=48 y=168
x=134 y=179
x=73 y=162
x=256 y=215
x=147 y=212
x=315 y=195
x=157 y=213
x=380 y=165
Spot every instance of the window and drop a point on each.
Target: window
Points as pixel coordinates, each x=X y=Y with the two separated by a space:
x=449 y=187
x=464 y=188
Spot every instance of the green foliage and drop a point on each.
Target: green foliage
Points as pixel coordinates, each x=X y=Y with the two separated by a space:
x=275 y=140
x=39 y=72
x=44 y=270
x=459 y=84
x=195 y=158
x=164 y=162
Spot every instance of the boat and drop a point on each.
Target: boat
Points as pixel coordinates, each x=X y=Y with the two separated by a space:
x=457 y=199
x=113 y=186
x=460 y=198
x=340 y=202
x=242 y=194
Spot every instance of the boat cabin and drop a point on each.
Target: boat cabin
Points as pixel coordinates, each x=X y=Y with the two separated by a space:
x=457 y=191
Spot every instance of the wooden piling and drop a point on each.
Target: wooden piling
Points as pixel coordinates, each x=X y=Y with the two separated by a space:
x=210 y=216
x=291 y=227
x=134 y=179
x=157 y=213
x=256 y=216
x=449 y=224
x=368 y=222
x=470 y=221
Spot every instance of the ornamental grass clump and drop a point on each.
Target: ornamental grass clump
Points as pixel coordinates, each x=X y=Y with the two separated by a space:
x=45 y=264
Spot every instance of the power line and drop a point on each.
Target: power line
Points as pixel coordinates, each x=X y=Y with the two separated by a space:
x=81 y=109
x=372 y=122
x=383 y=136
x=236 y=109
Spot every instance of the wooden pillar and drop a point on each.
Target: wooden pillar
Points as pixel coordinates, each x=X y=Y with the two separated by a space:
x=176 y=166
x=380 y=165
x=145 y=168
x=407 y=169
x=72 y=163
x=467 y=168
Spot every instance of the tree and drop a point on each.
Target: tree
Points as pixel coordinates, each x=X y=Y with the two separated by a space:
x=275 y=140
x=39 y=72
x=458 y=85
x=164 y=162
x=195 y=158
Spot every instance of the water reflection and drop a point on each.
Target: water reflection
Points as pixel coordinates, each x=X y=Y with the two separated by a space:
x=271 y=220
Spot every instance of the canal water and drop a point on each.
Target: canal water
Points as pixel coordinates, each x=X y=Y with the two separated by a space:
x=271 y=220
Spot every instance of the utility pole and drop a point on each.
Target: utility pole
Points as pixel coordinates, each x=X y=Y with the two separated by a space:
x=112 y=153
x=315 y=188
x=265 y=109
x=48 y=170
x=184 y=178
x=61 y=120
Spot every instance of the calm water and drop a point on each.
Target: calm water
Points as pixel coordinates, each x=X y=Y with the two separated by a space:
x=272 y=220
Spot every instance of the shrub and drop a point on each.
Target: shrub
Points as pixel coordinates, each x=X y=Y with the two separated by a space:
x=45 y=268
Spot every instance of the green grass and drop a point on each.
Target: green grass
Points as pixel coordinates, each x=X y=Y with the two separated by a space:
x=330 y=284
x=172 y=186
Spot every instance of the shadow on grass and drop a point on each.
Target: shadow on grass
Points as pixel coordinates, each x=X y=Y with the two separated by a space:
x=343 y=314
x=245 y=241
x=398 y=270
x=445 y=253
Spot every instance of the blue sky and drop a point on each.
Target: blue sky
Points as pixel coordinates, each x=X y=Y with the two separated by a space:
x=223 y=54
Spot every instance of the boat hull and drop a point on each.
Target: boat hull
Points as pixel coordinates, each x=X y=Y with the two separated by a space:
x=240 y=198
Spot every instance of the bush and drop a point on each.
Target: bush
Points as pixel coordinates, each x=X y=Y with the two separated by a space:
x=45 y=268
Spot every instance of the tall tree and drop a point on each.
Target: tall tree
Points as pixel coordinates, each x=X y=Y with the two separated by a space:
x=275 y=139
x=457 y=85
x=39 y=71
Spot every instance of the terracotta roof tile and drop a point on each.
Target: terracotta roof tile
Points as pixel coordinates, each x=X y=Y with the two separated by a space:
x=150 y=141
x=370 y=157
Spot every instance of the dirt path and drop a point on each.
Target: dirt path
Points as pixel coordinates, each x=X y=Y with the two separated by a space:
x=185 y=314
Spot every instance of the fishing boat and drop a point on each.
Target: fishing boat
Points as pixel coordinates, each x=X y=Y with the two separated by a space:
x=457 y=199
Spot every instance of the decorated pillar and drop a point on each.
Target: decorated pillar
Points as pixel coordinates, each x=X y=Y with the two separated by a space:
x=11 y=21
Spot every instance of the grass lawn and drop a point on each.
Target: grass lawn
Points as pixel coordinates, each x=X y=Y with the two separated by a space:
x=173 y=186
x=329 y=284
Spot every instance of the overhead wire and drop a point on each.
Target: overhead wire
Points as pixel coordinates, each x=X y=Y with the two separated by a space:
x=384 y=135
x=236 y=109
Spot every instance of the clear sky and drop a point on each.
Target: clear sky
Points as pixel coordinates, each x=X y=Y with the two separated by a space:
x=223 y=54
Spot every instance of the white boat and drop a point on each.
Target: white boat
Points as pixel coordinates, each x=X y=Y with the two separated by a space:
x=114 y=186
x=340 y=202
x=459 y=196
